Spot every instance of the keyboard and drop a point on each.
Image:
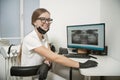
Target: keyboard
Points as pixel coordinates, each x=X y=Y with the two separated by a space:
x=77 y=55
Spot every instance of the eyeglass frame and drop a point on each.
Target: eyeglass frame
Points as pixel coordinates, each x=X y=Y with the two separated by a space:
x=43 y=19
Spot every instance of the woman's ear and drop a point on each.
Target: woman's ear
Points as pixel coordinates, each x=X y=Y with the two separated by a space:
x=34 y=23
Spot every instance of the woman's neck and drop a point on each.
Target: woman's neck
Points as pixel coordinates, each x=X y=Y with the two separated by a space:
x=39 y=34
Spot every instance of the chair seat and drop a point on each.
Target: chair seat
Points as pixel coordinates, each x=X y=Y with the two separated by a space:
x=24 y=71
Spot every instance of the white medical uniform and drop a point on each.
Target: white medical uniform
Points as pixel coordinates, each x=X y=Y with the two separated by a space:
x=31 y=41
x=31 y=58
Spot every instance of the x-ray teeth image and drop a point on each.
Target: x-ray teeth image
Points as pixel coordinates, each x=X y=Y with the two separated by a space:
x=85 y=36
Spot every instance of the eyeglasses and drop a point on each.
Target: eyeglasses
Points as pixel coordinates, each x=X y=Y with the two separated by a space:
x=43 y=19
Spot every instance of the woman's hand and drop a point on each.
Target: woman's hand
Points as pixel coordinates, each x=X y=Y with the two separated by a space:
x=47 y=62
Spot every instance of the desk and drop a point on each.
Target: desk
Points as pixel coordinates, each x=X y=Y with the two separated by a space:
x=107 y=66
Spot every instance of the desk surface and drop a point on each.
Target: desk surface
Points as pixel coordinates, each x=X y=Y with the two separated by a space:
x=107 y=66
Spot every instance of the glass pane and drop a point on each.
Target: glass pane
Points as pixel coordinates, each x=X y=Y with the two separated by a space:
x=9 y=18
x=29 y=7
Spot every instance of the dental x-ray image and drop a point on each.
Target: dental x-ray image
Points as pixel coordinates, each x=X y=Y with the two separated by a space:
x=89 y=36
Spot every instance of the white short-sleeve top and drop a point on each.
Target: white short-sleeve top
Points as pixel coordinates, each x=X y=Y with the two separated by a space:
x=31 y=41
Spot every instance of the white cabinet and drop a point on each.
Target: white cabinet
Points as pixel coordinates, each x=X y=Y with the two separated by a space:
x=2 y=68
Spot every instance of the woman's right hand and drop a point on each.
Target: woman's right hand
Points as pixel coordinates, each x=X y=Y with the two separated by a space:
x=88 y=64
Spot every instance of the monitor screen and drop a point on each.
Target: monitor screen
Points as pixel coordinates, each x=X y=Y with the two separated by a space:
x=88 y=36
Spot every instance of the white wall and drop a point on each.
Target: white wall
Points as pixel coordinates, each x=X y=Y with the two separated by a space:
x=69 y=12
x=110 y=14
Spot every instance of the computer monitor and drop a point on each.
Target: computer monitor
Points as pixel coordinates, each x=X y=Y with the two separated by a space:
x=88 y=36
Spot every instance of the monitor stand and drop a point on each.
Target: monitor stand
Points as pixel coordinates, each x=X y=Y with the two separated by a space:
x=81 y=51
x=84 y=52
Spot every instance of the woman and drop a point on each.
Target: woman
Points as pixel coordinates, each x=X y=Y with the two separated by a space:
x=35 y=48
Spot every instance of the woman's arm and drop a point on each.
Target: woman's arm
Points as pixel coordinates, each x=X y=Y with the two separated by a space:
x=56 y=58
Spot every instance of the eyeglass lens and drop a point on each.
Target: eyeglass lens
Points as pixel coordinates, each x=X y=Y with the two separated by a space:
x=43 y=19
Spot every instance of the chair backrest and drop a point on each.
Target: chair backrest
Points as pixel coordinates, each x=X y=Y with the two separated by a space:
x=28 y=71
x=24 y=71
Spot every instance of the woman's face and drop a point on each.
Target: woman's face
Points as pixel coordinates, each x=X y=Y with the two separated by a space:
x=43 y=21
